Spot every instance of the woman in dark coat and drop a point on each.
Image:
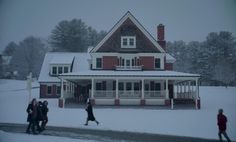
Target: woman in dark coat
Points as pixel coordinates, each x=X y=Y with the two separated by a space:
x=44 y=110
x=32 y=111
x=90 y=117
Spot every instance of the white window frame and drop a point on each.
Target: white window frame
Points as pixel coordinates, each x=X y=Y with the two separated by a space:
x=128 y=42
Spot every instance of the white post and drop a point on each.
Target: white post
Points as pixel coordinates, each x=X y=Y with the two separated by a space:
x=172 y=103
x=196 y=99
x=29 y=85
x=142 y=89
x=167 y=90
x=92 y=89
x=62 y=88
x=117 y=95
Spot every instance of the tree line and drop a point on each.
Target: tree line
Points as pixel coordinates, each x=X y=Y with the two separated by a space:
x=214 y=58
x=28 y=55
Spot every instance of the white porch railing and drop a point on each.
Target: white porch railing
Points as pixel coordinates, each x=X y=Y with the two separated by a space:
x=128 y=94
x=185 y=95
x=155 y=94
x=104 y=94
x=128 y=67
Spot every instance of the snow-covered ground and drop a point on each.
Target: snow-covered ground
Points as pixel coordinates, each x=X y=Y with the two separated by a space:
x=184 y=122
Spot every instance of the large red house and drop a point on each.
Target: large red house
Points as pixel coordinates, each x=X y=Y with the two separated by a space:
x=128 y=67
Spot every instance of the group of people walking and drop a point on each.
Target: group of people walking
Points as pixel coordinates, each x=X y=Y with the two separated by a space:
x=37 y=112
x=37 y=116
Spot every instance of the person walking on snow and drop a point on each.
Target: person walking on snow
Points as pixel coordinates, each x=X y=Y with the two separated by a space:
x=90 y=117
x=44 y=110
x=221 y=122
x=32 y=111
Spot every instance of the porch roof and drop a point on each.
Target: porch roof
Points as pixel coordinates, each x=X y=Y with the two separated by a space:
x=127 y=74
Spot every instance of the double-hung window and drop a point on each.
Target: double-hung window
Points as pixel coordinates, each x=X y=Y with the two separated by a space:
x=99 y=63
x=157 y=63
x=128 y=42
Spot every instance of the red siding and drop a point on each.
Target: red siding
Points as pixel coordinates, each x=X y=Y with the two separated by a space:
x=168 y=66
x=147 y=62
x=109 y=62
x=43 y=91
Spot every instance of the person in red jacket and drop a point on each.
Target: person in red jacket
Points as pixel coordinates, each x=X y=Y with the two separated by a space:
x=221 y=122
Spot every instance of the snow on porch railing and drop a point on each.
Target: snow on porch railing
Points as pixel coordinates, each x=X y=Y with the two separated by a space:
x=154 y=94
x=129 y=67
x=129 y=94
x=104 y=94
x=185 y=95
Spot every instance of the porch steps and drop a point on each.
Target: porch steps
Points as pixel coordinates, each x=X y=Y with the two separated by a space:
x=184 y=101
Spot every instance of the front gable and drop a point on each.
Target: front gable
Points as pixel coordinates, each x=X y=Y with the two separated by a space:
x=128 y=26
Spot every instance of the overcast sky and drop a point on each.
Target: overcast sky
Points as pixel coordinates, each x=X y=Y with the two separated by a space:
x=185 y=20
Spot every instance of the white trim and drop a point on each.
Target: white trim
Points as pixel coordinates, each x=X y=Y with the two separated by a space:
x=120 y=22
x=128 y=38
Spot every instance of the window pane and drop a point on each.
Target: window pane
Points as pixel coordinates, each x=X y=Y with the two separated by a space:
x=128 y=62
x=59 y=70
x=157 y=86
x=121 y=86
x=128 y=86
x=65 y=69
x=125 y=41
x=98 y=86
x=131 y=42
x=136 y=86
x=49 y=90
x=99 y=63
x=54 y=70
x=157 y=63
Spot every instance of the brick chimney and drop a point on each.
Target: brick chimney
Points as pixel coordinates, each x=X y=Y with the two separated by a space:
x=161 y=36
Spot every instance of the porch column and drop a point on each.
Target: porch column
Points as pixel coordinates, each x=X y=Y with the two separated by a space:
x=142 y=102
x=142 y=97
x=197 y=99
x=167 y=90
x=117 y=101
x=117 y=95
x=62 y=88
x=92 y=89
x=167 y=100
x=61 y=100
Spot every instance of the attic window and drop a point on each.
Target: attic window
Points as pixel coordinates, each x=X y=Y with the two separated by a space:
x=128 y=42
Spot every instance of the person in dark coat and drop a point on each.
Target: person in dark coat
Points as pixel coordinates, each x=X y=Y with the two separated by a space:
x=32 y=111
x=221 y=122
x=90 y=117
x=44 y=110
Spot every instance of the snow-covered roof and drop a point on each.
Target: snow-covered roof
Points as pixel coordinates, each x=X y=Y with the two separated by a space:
x=63 y=59
x=111 y=73
x=81 y=67
x=80 y=64
x=170 y=59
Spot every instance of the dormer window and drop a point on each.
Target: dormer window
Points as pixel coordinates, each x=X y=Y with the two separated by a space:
x=128 y=42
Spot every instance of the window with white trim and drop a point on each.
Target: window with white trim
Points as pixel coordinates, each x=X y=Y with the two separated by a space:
x=128 y=42
x=157 y=63
x=99 y=63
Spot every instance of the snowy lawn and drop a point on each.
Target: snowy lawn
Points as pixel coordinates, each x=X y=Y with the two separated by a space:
x=196 y=123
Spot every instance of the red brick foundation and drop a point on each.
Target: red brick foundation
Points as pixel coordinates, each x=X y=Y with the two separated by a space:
x=117 y=102
x=142 y=102
x=92 y=101
x=199 y=104
x=167 y=102
x=61 y=102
